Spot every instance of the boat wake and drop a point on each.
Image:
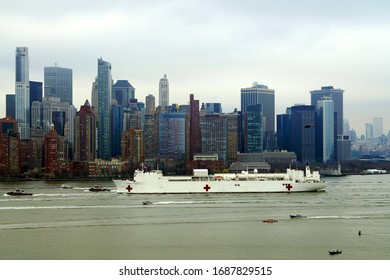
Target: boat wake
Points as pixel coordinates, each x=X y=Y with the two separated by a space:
x=339 y=217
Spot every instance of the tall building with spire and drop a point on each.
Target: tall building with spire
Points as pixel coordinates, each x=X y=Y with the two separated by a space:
x=104 y=89
x=163 y=92
x=22 y=92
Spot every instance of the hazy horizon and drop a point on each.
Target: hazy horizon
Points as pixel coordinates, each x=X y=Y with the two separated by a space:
x=210 y=49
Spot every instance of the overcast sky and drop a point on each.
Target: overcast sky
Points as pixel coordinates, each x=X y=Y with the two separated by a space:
x=210 y=48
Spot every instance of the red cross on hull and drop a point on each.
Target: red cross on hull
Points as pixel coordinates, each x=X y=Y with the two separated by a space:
x=206 y=188
x=288 y=186
x=129 y=188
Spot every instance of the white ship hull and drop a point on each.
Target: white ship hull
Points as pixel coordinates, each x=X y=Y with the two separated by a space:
x=156 y=183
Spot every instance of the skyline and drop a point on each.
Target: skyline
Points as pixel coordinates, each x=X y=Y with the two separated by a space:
x=210 y=49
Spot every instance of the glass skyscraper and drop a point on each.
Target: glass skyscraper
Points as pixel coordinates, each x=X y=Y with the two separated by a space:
x=58 y=83
x=337 y=96
x=261 y=94
x=303 y=118
x=22 y=92
x=123 y=92
x=253 y=127
x=172 y=136
x=104 y=87
x=325 y=140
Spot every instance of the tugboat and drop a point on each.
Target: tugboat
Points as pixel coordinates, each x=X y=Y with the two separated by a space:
x=147 y=202
x=98 y=188
x=335 y=252
x=18 y=192
x=270 y=221
x=297 y=216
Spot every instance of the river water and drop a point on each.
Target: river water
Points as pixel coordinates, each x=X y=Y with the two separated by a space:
x=73 y=224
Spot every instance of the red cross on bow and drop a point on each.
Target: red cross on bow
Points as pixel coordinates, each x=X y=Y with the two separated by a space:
x=129 y=188
x=288 y=187
x=206 y=188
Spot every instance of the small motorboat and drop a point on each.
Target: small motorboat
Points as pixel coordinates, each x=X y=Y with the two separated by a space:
x=297 y=216
x=270 y=221
x=65 y=186
x=147 y=202
x=98 y=189
x=18 y=192
x=335 y=252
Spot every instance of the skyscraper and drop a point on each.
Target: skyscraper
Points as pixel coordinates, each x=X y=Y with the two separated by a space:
x=123 y=92
x=195 y=131
x=214 y=129
x=35 y=95
x=303 y=118
x=163 y=92
x=22 y=92
x=253 y=128
x=104 y=88
x=377 y=127
x=325 y=140
x=337 y=96
x=58 y=83
x=117 y=129
x=51 y=112
x=172 y=136
x=150 y=104
x=10 y=105
x=85 y=134
x=261 y=94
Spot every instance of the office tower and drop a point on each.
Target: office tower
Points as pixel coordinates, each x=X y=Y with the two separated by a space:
x=283 y=128
x=377 y=127
x=172 y=136
x=10 y=105
x=325 y=140
x=253 y=128
x=213 y=108
x=195 y=145
x=22 y=92
x=35 y=95
x=123 y=92
x=59 y=83
x=132 y=118
x=261 y=94
x=369 y=131
x=150 y=136
x=163 y=92
x=233 y=135
x=94 y=95
x=104 y=88
x=133 y=145
x=9 y=147
x=214 y=129
x=52 y=113
x=85 y=134
x=337 y=96
x=117 y=129
x=343 y=147
x=150 y=102
x=303 y=118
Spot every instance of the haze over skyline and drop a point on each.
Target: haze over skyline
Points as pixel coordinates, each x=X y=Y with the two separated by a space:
x=210 y=49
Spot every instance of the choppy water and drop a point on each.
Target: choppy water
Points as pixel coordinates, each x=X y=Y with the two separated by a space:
x=76 y=224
